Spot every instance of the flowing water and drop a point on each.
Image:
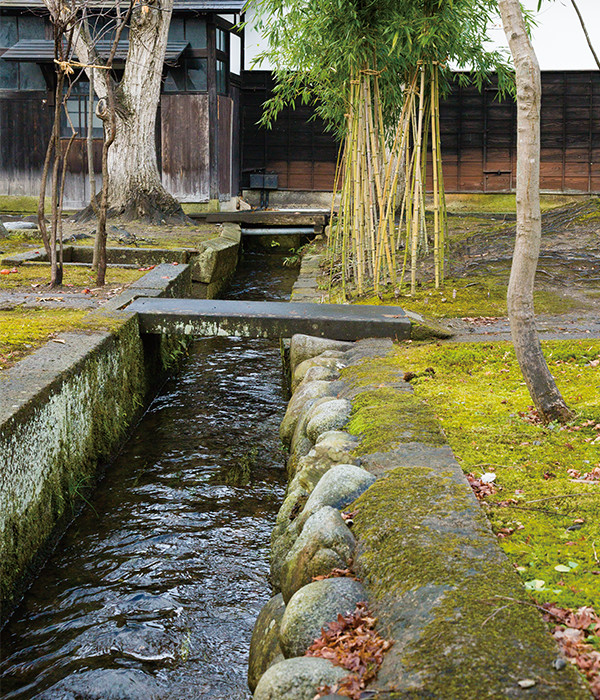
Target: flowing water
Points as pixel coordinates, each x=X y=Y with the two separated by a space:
x=154 y=589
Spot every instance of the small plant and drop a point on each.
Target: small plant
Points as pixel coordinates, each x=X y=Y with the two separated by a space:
x=296 y=254
x=240 y=472
x=76 y=488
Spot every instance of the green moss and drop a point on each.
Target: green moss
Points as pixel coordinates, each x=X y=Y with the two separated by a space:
x=39 y=274
x=384 y=418
x=21 y=205
x=423 y=565
x=23 y=330
x=465 y=296
x=111 y=383
x=501 y=203
x=202 y=207
x=477 y=394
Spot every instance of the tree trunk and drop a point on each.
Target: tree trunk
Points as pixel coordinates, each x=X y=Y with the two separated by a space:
x=135 y=187
x=541 y=385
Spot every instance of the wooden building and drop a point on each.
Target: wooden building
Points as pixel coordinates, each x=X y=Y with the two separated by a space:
x=207 y=135
x=198 y=137
x=478 y=137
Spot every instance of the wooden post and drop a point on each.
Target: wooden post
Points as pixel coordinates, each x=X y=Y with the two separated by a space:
x=213 y=109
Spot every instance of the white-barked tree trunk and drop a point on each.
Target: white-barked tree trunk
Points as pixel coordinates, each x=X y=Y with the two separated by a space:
x=542 y=387
x=135 y=188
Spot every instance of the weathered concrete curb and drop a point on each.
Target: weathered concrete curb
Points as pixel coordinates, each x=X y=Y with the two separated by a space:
x=212 y=264
x=431 y=568
x=63 y=410
x=312 y=284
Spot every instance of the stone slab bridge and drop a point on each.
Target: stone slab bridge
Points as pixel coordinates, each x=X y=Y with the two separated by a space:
x=268 y=319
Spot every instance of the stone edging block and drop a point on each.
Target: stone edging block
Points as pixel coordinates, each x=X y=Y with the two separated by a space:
x=442 y=589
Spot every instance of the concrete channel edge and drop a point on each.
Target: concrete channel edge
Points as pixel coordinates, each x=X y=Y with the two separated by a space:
x=422 y=550
x=66 y=408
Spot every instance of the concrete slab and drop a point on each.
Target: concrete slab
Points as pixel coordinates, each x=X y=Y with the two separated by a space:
x=265 y=218
x=260 y=319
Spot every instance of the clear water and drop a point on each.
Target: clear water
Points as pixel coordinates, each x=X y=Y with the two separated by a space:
x=154 y=589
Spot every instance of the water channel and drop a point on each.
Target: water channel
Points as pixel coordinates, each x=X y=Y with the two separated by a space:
x=154 y=589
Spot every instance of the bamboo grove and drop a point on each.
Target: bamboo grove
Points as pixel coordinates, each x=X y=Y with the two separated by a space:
x=374 y=71
x=381 y=226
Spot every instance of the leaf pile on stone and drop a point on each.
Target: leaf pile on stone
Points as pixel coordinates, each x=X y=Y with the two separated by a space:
x=353 y=643
x=578 y=636
x=336 y=573
x=481 y=488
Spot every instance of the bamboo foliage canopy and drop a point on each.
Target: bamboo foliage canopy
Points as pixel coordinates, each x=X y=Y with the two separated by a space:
x=317 y=46
x=374 y=71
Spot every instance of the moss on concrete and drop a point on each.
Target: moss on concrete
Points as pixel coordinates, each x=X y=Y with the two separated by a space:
x=479 y=396
x=212 y=206
x=445 y=593
x=384 y=418
x=30 y=274
x=57 y=439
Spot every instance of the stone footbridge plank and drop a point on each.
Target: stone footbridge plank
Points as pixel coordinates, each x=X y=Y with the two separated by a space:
x=268 y=319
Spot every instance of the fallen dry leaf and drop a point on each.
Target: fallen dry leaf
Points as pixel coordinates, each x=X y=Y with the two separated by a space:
x=353 y=643
x=574 y=633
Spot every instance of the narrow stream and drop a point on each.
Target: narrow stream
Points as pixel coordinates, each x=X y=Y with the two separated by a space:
x=153 y=591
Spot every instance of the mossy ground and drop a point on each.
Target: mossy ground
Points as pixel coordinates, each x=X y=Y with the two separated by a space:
x=500 y=203
x=23 y=330
x=480 y=243
x=479 y=397
x=483 y=295
x=26 y=276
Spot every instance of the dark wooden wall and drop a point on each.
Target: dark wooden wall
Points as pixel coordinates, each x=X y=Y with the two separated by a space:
x=185 y=146
x=297 y=148
x=25 y=127
x=478 y=138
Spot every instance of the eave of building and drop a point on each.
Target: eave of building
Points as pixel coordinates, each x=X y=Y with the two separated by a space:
x=211 y=6
x=42 y=50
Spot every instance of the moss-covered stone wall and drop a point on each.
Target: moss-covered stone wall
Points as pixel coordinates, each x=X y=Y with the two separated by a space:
x=64 y=410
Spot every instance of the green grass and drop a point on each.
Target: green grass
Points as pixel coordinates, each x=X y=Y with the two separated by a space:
x=28 y=275
x=480 y=398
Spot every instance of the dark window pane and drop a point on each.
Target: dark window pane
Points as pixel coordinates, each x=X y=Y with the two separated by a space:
x=76 y=110
x=81 y=87
x=195 y=33
x=175 y=80
x=221 y=77
x=176 y=32
x=9 y=75
x=97 y=123
x=31 y=77
x=8 y=31
x=197 y=79
x=31 y=28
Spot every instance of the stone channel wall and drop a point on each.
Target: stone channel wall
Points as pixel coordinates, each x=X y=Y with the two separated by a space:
x=64 y=410
x=375 y=489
